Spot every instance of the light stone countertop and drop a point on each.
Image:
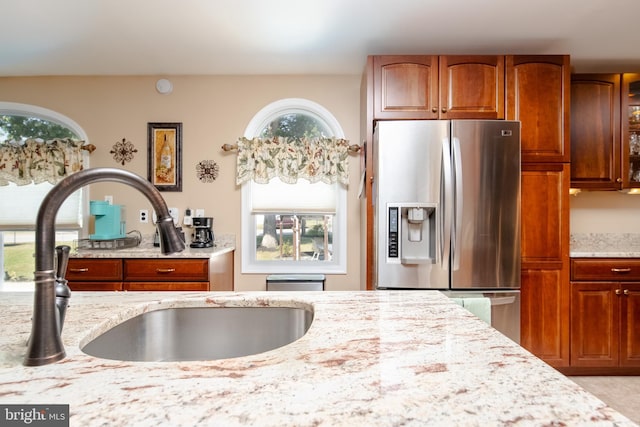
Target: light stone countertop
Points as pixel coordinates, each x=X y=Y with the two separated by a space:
x=605 y=245
x=376 y=358
x=222 y=244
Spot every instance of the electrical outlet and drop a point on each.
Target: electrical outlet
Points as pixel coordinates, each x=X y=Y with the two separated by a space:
x=144 y=216
x=108 y=199
x=175 y=214
x=199 y=213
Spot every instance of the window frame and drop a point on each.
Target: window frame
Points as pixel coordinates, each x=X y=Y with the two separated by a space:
x=338 y=263
x=28 y=110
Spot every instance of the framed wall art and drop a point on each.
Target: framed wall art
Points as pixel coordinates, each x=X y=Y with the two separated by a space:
x=164 y=165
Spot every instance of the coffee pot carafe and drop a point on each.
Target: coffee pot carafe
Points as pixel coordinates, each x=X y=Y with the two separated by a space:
x=202 y=232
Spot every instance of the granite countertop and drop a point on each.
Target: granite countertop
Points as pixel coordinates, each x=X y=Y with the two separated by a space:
x=605 y=245
x=376 y=358
x=222 y=244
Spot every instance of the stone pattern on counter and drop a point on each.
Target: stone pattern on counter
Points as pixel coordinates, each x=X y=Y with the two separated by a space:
x=605 y=245
x=376 y=358
x=222 y=244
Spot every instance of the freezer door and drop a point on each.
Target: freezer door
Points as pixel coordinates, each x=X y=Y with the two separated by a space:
x=486 y=231
x=408 y=166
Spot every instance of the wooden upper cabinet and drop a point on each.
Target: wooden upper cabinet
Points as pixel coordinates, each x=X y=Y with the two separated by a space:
x=471 y=87
x=438 y=87
x=595 y=132
x=538 y=94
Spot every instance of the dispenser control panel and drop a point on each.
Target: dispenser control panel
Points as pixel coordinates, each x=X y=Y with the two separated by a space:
x=393 y=232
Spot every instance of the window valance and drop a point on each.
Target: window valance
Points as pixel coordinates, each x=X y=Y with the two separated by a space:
x=36 y=161
x=314 y=159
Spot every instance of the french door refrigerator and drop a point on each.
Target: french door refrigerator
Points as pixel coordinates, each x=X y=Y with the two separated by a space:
x=447 y=210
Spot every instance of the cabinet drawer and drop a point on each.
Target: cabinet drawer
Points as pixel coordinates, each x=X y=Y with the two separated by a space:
x=168 y=269
x=101 y=270
x=616 y=269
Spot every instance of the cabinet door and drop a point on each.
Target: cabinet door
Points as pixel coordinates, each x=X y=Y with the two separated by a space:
x=471 y=87
x=545 y=261
x=629 y=325
x=630 y=141
x=544 y=315
x=538 y=91
x=595 y=132
x=166 y=286
x=405 y=87
x=594 y=324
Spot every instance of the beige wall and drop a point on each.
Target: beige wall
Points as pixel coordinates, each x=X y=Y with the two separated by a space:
x=213 y=110
x=605 y=212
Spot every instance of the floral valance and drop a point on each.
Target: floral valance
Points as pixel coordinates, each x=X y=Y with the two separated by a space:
x=36 y=161
x=314 y=159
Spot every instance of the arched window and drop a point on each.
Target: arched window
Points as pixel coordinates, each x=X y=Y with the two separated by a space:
x=21 y=202
x=293 y=228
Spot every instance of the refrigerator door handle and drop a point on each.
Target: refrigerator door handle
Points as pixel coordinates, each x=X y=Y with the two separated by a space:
x=456 y=235
x=446 y=205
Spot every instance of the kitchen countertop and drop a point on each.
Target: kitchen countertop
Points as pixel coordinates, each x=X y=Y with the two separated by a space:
x=605 y=245
x=222 y=244
x=370 y=358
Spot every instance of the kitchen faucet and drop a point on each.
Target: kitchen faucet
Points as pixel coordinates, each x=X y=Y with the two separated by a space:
x=45 y=343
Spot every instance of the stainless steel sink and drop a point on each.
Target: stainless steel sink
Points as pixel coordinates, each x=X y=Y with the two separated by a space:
x=201 y=333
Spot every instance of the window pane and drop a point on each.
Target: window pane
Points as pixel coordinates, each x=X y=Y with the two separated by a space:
x=294 y=237
x=19 y=263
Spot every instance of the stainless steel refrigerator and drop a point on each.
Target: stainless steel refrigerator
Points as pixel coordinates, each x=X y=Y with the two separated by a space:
x=447 y=211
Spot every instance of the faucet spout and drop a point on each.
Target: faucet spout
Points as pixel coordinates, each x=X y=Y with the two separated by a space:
x=45 y=343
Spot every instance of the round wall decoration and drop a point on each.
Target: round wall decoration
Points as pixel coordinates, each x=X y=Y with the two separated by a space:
x=123 y=151
x=207 y=170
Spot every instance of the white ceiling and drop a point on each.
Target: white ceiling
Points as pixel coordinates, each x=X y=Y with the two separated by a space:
x=169 y=37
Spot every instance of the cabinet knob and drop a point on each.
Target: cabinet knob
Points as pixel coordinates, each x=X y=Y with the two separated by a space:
x=618 y=180
x=626 y=292
x=444 y=110
x=434 y=110
x=618 y=292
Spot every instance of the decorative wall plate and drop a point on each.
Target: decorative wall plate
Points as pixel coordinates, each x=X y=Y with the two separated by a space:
x=123 y=151
x=207 y=170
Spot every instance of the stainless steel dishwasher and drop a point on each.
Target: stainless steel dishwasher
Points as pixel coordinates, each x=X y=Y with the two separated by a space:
x=295 y=282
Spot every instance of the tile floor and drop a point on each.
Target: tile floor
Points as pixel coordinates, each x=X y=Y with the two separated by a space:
x=622 y=393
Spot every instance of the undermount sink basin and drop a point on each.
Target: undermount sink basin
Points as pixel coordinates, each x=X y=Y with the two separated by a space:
x=201 y=333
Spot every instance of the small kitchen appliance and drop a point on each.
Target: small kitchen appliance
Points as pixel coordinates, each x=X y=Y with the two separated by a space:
x=202 y=233
x=108 y=220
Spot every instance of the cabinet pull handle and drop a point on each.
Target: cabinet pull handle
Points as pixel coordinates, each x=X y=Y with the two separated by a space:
x=621 y=270
x=165 y=270
x=78 y=270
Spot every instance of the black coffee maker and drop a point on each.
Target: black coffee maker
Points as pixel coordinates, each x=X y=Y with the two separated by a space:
x=202 y=232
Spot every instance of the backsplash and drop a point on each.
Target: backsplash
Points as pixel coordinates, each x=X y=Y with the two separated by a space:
x=605 y=245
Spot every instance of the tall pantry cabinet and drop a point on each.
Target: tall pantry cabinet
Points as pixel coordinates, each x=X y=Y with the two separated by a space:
x=532 y=89
x=538 y=94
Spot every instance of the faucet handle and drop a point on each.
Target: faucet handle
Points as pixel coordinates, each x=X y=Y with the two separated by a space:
x=62 y=257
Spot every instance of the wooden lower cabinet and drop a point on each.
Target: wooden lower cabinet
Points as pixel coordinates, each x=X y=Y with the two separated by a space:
x=545 y=298
x=605 y=311
x=88 y=274
x=151 y=274
x=544 y=316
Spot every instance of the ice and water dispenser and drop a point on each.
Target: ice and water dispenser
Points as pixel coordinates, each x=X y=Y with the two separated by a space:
x=411 y=233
